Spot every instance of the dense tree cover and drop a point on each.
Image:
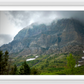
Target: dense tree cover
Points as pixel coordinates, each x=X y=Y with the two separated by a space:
x=7 y=69
x=14 y=70
x=4 y=65
x=43 y=65
x=24 y=69
x=34 y=71
x=63 y=64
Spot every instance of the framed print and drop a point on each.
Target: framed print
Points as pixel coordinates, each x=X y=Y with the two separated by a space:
x=41 y=43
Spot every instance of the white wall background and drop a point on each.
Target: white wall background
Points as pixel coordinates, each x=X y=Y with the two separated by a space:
x=41 y=82
x=41 y=0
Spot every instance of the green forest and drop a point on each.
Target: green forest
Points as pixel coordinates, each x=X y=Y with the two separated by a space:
x=54 y=64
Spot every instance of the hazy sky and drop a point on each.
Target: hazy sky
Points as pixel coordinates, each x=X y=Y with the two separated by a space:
x=11 y=22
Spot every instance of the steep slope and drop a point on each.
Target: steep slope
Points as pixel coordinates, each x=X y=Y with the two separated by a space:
x=65 y=35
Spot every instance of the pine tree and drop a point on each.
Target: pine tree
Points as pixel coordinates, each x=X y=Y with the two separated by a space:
x=34 y=71
x=14 y=70
x=1 y=62
x=24 y=69
x=70 y=65
x=4 y=63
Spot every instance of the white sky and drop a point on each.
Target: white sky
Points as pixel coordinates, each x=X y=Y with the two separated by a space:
x=6 y=26
x=7 y=29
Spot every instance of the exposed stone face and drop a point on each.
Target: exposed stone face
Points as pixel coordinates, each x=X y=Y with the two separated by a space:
x=65 y=35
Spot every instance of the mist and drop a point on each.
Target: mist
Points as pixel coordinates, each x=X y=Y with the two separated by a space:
x=25 y=18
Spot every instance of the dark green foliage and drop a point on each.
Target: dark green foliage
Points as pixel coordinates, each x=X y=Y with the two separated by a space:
x=1 y=62
x=4 y=69
x=14 y=70
x=79 y=70
x=25 y=69
x=34 y=71
x=6 y=58
x=5 y=63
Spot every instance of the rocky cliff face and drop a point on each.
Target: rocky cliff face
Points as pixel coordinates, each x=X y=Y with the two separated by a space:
x=65 y=35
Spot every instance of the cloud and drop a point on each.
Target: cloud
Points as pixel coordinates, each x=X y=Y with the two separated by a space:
x=5 y=38
x=72 y=14
x=6 y=25
x=25 y=18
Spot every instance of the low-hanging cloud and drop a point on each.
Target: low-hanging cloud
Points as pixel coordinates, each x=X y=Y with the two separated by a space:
x=25 y=18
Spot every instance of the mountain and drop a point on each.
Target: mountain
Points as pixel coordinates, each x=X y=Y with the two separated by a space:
x=62 y=36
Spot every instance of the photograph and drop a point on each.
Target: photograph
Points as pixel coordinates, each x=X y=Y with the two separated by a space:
x=41 y=42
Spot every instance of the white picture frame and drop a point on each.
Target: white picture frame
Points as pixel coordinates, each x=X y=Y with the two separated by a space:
x=42 y=5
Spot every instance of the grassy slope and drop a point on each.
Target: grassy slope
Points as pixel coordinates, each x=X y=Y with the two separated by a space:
x=48 y=64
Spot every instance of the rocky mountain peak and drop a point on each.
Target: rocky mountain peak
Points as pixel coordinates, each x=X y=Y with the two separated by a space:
x=56 y=37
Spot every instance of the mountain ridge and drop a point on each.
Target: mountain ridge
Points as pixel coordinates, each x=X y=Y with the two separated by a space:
x=64 y=35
